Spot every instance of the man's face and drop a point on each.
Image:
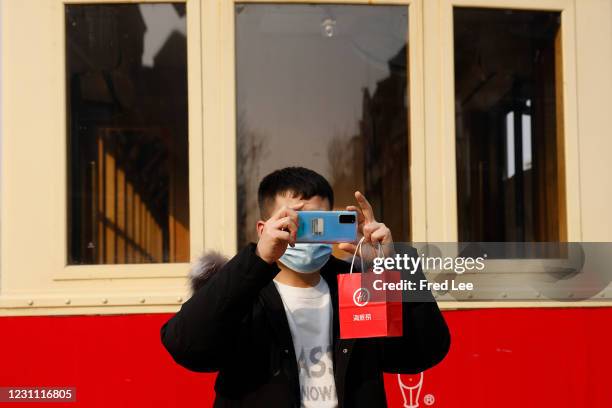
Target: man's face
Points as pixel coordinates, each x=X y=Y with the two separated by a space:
x=315 y=203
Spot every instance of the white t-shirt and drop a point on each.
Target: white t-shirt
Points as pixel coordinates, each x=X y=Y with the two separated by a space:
x=309 y=312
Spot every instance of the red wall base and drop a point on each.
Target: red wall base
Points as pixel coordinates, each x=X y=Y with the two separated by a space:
x=499 y=358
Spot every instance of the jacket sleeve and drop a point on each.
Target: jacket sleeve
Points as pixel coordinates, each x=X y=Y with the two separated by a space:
x=201 y=334
x=426 y=338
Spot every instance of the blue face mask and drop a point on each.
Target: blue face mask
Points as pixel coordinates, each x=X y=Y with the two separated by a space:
x=306 y=258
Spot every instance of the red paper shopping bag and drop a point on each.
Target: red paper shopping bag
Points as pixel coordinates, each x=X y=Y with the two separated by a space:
x=366 y=310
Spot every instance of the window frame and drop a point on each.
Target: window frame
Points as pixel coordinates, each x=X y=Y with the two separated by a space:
x=143 y=270
x=442 y=191
x=38 y=279
x=416 y=131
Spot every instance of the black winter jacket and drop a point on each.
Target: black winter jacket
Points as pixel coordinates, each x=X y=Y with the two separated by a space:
x=236 y=324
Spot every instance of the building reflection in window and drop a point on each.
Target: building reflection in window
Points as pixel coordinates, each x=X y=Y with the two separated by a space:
x=127 y=133
x=324 y=87
x=509 y=125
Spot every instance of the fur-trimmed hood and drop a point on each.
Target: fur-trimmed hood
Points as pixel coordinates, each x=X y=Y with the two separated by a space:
x=204 y=267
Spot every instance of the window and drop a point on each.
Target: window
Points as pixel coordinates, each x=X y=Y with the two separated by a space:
x=324 y=87
x=509 y=130
x=128 y=198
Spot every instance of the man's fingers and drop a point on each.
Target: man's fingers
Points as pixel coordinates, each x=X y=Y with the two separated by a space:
x=348 y=247
x=376 y=232
x=366 y=208
x=292 y=213
x=380 y=234
x=285 y=211
x=368 y=229
x=278 y=214
x=286 y=224
x=281 y=235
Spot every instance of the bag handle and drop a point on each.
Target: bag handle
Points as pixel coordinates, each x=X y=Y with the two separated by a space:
x=381 y=254
x=357 y=248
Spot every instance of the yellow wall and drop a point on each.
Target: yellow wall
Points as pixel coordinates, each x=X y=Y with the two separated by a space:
x=594 y=102
x=34 y=278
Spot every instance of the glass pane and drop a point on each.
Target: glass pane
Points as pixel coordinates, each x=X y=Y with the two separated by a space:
x=509 y=131
x=324 y=87
x=126 y=81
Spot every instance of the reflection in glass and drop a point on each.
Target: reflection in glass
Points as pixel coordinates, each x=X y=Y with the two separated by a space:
x=127 y=133
x=324 y=87
x=509 y=131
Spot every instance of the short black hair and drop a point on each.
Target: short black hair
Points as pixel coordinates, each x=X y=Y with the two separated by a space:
x=299 y=181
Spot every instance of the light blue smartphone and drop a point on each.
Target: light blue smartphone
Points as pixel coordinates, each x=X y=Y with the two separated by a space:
x=327 y=226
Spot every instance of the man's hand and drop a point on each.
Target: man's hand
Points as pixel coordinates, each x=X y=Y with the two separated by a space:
x=374 y=232
x=278 y=231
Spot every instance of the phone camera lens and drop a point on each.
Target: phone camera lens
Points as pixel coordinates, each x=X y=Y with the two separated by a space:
x=347 y=219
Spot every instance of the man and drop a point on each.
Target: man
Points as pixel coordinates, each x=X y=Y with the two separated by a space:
x=267 y=320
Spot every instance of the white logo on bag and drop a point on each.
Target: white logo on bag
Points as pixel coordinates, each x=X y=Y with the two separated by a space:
x=361 y=297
